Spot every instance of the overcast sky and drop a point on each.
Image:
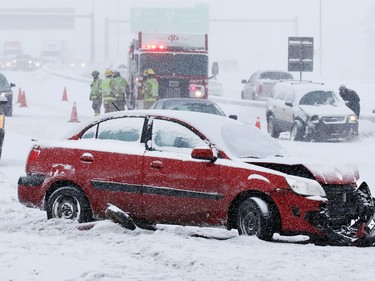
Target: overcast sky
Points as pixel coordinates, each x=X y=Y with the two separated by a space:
x=343 y=43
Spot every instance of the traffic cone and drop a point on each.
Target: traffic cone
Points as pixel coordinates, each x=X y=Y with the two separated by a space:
x=257 y=123
x=23 y=100
x=74 y=115
x=65 y=95
x=19 y=95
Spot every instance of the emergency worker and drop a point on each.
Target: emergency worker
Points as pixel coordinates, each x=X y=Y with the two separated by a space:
x=150 y=88
x=108 y=92
x=121 y=88
x=95 y=93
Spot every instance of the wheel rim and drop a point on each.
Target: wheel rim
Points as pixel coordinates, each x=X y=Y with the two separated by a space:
x=250 y=223
x=66 y=207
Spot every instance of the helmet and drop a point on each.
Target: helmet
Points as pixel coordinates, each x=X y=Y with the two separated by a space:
x=342 y=87
x=95 y=73
x=107 y=72
x=149 y=72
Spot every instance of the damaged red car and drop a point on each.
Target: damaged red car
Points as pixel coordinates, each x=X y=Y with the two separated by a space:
x=196 y=169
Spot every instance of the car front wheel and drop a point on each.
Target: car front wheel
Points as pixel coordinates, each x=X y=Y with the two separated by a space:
x=254 y=218
x=271 y=127
x=297 y=131
x=69 y=203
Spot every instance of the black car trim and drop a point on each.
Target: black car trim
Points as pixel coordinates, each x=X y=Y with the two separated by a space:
x=31 y=180
x=164 y=191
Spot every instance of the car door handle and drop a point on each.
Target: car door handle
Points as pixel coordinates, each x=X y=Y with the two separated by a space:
x=156 y=165
x=87 y=158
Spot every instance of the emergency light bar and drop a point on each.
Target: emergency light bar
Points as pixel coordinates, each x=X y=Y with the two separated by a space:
x=156 y=47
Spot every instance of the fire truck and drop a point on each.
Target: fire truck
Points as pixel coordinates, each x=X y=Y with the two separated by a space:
x=180 y=62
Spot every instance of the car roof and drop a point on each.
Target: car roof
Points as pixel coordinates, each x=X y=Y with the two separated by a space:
x=302 y=87
x=208 y=124
x=186 y=100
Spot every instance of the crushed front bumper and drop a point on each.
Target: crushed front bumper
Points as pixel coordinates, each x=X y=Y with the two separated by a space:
x=353 y=226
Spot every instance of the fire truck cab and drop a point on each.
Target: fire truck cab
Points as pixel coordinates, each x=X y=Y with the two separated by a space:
x=180 y=63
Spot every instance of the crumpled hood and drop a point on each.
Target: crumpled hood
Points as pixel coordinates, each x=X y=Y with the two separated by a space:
x=324 y=173
x=339 y=109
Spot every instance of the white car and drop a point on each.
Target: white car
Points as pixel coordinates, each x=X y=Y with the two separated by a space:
x=309 y=111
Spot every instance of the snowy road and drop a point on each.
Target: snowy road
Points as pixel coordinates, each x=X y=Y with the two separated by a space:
x=33 y=248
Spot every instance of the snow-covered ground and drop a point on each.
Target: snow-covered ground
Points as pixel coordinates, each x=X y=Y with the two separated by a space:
x=34 y=248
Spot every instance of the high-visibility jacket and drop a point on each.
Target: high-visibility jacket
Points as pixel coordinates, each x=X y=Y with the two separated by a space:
x=107 y=88
x=150 y=89
x=95 y=92
x=121 y=86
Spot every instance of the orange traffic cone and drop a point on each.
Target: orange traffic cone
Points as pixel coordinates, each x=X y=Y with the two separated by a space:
x=74 y=115
x=19 y=95
x=23 y=100
x=65 y=95
x=257 y=123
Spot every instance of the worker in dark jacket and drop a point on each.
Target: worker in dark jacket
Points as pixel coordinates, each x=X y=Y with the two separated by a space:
x=351 y=99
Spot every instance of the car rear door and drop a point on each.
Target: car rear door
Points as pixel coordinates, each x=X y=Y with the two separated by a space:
x=177 y=188
x=110 y=161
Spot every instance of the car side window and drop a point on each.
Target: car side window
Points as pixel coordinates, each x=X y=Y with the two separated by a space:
x=281 y=94
x=289 y=96
x=174 y=137
x=127 y=129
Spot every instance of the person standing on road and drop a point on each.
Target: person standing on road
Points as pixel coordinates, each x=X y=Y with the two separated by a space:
x=95 y=93
x=121 y=88
x=351 y=98
x=150 y=88
x=108 y=92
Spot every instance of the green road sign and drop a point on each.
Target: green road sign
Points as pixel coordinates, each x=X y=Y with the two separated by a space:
x=185 y=20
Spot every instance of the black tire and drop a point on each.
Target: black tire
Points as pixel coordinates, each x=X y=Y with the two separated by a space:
x=253 y=96
x=272 y=127
x=69 y=203
x=296 y=134
x=242 y=96
x=254 y=217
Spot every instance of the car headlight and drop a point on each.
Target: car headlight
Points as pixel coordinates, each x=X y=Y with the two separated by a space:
x=305 y=186
x=353 y=118
x=315 y=119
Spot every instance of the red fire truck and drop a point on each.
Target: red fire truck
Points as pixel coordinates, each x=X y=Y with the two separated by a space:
x=180 y=62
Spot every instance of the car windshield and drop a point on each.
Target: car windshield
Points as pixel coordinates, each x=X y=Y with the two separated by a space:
x=244 y=141
x=4 y=86
x=276 y=75
x=319 y=98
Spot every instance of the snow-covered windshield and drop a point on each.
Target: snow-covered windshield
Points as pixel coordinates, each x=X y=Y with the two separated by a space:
x=319 y=98
x=244 y=141
x=276 y=75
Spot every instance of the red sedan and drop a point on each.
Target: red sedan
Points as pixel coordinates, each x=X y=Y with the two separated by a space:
x=189 y=168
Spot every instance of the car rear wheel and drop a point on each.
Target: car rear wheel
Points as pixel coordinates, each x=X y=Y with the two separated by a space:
x=254 y=218
x=297 y=131
x=69 y=203
x=272 y=128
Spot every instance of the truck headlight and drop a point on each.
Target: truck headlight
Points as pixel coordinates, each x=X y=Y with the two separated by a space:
x=306 y=187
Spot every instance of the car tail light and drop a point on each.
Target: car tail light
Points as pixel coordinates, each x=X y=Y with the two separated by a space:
x=260 y=89
x=34 y=153
x=2 y=121
x=196 y=91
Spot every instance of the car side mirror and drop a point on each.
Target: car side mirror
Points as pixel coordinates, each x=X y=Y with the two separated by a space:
x=12 y=85
x=203 y=154
x=288 y=103
x=232 y=116
x=244 y=81
x=215 y=68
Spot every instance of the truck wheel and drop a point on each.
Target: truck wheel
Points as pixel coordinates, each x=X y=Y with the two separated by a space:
x=254 y=218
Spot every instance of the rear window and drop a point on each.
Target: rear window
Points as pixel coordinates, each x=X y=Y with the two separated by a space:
x=276 y=76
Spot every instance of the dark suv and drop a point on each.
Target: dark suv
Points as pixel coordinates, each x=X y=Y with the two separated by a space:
x=309 y=111
x=6 y=96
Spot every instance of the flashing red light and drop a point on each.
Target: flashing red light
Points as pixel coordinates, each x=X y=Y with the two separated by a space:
x=193 y=88
x=160 y=47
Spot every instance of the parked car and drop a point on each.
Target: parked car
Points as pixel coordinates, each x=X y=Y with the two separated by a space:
x=215 y=88
x=190 y=104
x=2 y=131
x=6 y=96
x=190 y=168
x=260 y=84
x=309 y=111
